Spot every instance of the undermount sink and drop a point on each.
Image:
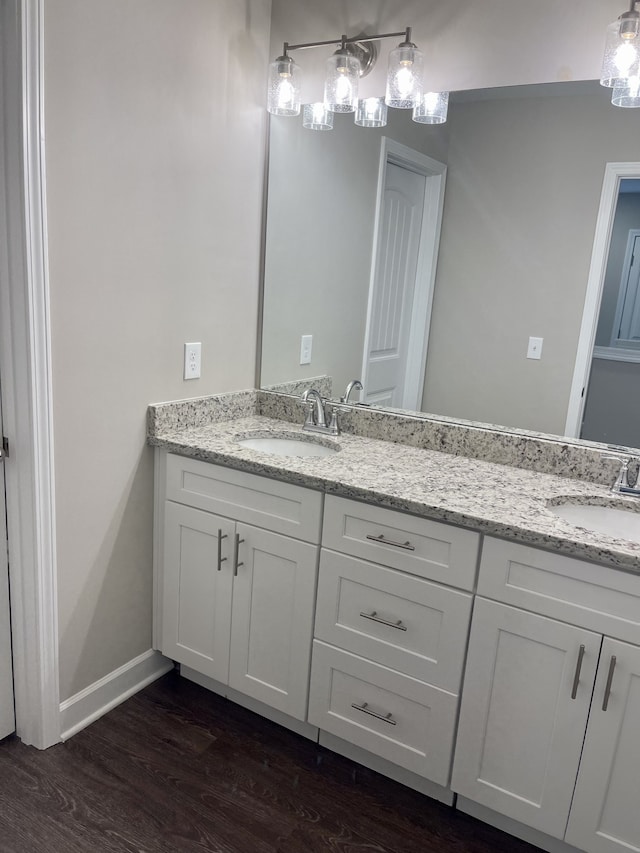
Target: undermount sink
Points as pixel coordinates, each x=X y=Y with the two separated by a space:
x=619 y=522
x=287 y=445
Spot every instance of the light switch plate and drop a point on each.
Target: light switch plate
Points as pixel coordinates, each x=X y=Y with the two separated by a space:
x=306 y=342
x=534 y=350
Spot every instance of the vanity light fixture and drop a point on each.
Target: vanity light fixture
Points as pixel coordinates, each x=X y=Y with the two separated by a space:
x=353 y=59
x=621 y=62
x=317 y=117
x=431 y=108
x=371 y=112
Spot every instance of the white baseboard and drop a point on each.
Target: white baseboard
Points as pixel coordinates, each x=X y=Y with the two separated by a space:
x=94 y=701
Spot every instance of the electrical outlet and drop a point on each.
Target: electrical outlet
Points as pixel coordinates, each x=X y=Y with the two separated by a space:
x=534 y=350
x=192 y=357
x=306 y=342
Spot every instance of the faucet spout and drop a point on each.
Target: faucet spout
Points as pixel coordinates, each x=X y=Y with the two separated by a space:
x=354 y=385
x=316 y=407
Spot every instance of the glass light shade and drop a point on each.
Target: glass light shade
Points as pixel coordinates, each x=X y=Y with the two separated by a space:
x=431 y=108
x=626 y=93
x=317 y=117
x=404 y=77
x=371 y=112
x=283 y=95
x=621 y=55
x=341 y=82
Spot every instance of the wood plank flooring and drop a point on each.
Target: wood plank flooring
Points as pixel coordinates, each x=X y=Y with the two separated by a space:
x=177 y=768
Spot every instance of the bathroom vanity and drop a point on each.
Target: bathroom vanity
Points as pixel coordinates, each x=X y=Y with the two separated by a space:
x=335 y=595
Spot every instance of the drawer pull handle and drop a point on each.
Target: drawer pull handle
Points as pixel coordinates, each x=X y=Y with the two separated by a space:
x=576 y=677
x=236 y=564
x=386 y=718
x=381 y=538
x=221 y=559
x=375 y=618
x=607 y=689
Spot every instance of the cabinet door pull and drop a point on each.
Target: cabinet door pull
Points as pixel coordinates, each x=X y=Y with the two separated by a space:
x=375 y=618
x=576 y=677
x=236 y=564
x=221 y=559
x=381 y=538
x=607 y=689
x=386 y=718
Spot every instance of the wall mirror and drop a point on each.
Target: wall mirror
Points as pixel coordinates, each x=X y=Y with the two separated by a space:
x=523 y=187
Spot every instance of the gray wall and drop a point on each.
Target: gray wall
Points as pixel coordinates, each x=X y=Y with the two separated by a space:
x=321 y=210
x=613 y=387
x=523 y=191
x=155 y=138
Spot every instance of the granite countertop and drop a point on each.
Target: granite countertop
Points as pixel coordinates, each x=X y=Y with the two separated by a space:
x=494 y=499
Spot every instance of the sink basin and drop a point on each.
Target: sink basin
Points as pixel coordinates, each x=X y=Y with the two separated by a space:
x=287 y=446
x=611 y=520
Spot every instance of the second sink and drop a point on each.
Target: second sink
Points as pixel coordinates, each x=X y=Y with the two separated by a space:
x=621 y=523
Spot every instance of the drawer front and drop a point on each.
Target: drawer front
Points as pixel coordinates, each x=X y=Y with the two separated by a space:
x=425 y=548
x=280 y=507
x=389 y=714
x=593 y=597
x=392 y=618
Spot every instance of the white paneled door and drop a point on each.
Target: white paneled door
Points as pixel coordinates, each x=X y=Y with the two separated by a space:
x=7 y=716
x=394 y=286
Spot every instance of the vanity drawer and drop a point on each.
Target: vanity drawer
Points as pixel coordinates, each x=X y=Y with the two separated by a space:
x=395 y=619
x=280 y=507
x=396 y=717
x=590 y=596
x=416 y=545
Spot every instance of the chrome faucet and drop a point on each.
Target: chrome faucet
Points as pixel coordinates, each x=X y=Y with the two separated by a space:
x=354 y=384
x=316 y=416
x=621 y=485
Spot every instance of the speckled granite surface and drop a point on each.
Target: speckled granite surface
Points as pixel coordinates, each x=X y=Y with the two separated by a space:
x=531 y=451
x=183 y=414
x=322 y=384
x=494 y=499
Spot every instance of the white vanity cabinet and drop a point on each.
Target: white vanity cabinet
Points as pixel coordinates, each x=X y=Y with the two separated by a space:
x=389 y=642
x=237 y=600
x=537 y=742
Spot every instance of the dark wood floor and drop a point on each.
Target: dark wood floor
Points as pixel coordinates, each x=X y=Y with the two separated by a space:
x=177 y=768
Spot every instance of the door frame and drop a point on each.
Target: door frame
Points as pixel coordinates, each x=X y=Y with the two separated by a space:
x=613 y=174
x=435 y=173
x=25 y=362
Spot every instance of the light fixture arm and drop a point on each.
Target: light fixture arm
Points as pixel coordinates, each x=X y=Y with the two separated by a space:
x=343 y=40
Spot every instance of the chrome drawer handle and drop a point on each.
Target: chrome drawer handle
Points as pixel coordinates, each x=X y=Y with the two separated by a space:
x=381 y=538
x=607 y=689
x=386 y=718
x=375 y=618
x=236 y=564
x=576 y=677
x=221 y=559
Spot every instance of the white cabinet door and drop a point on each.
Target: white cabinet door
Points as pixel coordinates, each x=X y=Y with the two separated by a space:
x=521 y=732
x=605 y=815
x=7 y=718
x=273 y=603
x=198 y=578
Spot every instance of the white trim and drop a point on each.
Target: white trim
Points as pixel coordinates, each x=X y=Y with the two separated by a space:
x=435 y=172
x=87 y=706
x=386 y=768
x=617 y=354
x=300 y=727
x=25 y=361
x=613 y=174
x=513 y=827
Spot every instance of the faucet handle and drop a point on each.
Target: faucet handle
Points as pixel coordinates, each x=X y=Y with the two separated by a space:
x=622 y=480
